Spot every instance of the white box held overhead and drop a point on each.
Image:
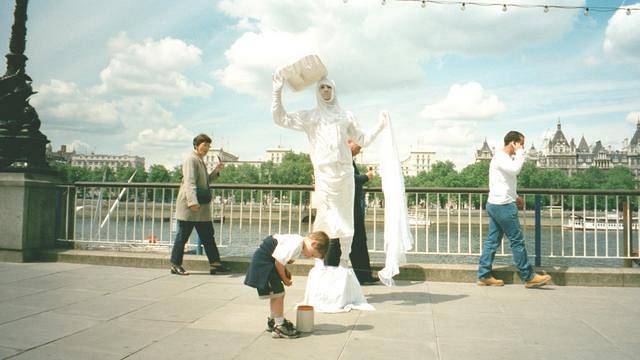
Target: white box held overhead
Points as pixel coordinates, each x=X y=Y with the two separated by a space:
x=304 y=72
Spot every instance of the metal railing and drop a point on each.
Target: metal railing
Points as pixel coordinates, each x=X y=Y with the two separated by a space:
x=557 y=224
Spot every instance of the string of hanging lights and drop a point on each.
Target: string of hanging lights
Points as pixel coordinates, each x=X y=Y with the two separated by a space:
x=505 y=6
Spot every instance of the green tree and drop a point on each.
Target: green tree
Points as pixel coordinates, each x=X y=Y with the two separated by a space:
x=475 y=175
x=294 y=169
x=442 y=172
x=176 y=174
x=591 y=178
x=158 y=174
x=619 y=177
x=123 y=173
x=239 y=174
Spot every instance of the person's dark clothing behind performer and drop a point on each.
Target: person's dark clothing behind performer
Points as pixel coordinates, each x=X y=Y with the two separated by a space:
x=359 y=254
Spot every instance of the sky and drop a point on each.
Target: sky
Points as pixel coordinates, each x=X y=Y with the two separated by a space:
x=144 y=77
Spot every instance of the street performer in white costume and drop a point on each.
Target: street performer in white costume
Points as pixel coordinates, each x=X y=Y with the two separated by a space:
x=328 y=127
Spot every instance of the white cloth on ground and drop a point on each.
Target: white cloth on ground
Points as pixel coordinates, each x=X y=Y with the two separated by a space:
x=333 y=289
x=397 y=235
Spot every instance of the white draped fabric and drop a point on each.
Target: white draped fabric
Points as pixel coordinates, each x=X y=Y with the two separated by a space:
x=397 y=235
x=334 y=289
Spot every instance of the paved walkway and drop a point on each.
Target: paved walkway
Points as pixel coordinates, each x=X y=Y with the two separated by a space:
x=71 y=311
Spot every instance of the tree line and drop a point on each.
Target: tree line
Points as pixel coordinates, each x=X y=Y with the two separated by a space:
x=296 y=169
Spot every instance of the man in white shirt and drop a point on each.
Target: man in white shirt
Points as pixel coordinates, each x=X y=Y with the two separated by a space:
x=502 y=206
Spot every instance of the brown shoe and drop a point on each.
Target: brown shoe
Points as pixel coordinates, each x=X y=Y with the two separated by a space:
x=490 y=281
x=537 y=281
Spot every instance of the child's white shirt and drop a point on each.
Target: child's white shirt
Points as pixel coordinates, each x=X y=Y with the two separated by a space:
x=289 y=247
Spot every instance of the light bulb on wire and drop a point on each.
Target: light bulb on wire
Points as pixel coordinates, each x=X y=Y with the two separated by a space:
x=504 y=7
x=586 y=11
x=424 y=3
x=628 y=11
x=384 y=2
x=462 y=6
x=546 y=9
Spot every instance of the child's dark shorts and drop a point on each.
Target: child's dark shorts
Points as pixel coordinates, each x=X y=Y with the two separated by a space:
x=274 y=287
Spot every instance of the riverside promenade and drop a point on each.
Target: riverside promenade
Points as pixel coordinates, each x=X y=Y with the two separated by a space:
x=79 y=311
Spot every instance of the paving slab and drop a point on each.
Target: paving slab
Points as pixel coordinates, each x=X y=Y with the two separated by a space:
x=104 y=307
x=196 y=344
x=7 y=352
x=42 y=328
x=63 y=311
x=10 y=312
x=9 y=291
x=120 y=337
x=185 y=310
x=56 y=298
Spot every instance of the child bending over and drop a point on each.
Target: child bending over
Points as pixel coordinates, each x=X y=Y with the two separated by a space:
x=267 y=273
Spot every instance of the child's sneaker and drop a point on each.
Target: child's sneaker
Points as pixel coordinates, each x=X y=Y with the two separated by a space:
x=286 y=330
x=271 y=323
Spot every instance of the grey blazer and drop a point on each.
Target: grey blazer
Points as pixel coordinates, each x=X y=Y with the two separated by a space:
x=194 y=174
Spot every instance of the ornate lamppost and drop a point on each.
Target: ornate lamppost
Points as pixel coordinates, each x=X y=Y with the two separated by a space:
x=22 y=145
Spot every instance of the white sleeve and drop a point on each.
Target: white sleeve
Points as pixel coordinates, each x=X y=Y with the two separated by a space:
x=359 y=136
x=289 y=247
x=511 y=166
x=294 y=120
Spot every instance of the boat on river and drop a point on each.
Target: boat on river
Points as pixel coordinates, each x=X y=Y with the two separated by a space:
x=610 y=222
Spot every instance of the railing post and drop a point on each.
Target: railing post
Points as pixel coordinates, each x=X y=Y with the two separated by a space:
x=626 y=228
x=538 y=230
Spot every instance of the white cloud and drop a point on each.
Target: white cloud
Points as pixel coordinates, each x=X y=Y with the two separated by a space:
x=177 y=137
x=152 y=68
x=633 y=117
x=63 y=105
x=468 y=101
x=66 y=106
x=79 y=147
x=622 y=37
x=144 y=111
x=165 y=146
x=364 y=45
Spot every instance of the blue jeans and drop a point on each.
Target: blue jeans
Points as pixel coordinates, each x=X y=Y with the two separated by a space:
x=503 y=220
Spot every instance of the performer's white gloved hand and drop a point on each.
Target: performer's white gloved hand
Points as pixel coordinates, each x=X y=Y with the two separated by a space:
x=277 y=82
x=384 y=119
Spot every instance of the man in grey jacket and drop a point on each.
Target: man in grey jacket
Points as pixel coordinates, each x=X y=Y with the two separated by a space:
x=190 y=212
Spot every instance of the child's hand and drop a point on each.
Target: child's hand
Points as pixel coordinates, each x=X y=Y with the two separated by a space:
x=288 y=281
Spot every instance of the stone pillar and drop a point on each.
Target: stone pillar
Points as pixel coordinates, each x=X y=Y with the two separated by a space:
x=27 y=214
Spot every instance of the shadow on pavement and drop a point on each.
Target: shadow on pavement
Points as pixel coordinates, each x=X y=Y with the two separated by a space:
x=412 y=298
x=332 y=329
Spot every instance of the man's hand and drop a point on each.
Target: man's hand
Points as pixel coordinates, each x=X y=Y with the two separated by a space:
x=516 y=146
x=370 y=174
x=194 y=208
x=219 y=167
x=520 y=203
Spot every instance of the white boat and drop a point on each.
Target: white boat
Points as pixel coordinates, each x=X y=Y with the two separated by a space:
x=418 y=220
x=610 y=222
